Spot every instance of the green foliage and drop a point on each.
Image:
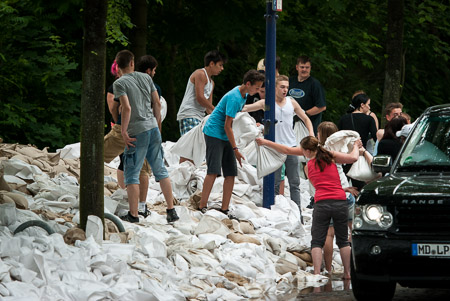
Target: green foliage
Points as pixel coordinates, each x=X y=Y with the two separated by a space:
x=118 y=19
x=40 y=54
x=39 y=102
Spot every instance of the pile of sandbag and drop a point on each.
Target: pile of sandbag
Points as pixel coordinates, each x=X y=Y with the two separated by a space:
x=201 y=256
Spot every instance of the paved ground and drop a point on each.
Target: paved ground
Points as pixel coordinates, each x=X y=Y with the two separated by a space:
x=401 y=294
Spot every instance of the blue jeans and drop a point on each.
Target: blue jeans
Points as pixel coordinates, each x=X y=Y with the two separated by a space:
x=293 y=175
x=147 y=145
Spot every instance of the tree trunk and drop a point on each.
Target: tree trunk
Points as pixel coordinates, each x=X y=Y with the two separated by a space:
x=394 y=44
x=93 y=110
x=138 y=39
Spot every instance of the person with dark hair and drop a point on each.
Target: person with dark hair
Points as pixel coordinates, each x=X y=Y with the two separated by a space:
x=141 y=126
x=114 y=146
x=197 y=98
x=330 y=201
x=308 y=92
x=357 y=118
x=147 y=64
x=390 y=144
x=392 y=110
x=259 y=114
x=221 y=149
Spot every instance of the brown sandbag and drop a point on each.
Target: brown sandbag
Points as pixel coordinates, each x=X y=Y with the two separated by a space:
x=247 y=227
x=74 y=234
x=238 y=279
x=305 y=256
x=5 y=199
x=239 y=238
x=20 y=200
x=4 y=185
x=283 y=266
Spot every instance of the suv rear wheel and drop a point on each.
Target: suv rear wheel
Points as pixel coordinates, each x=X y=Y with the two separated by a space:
x=370 y=290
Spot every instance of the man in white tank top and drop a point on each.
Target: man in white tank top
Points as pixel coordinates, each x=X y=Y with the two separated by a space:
x=197 y=98
x=285 y=109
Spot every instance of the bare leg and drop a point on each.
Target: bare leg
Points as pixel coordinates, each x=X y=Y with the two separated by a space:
x=207 y=187
x=228 y=185
x=345 y=255
x=143 y=187
x=350 y=226
x=166 y=188
x=282 y=187
x=133 y=195
x=316 y=254
x=120 y=179
x=328 y=249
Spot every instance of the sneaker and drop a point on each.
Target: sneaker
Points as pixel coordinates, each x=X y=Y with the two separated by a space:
x=129 y=218
x=203 y=210
x=229 y=214
x=172 y=215
x=145 y=212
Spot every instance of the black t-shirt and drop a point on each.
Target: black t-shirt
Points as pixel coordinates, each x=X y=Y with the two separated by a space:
x=308 y=93
x=258 y=115
x=363 y=124
x=389 y=147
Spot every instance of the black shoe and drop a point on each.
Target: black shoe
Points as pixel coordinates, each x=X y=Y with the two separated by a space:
x=172 y=215
x=129 y=218
x=229 y=214
x=311 y=203
x=144 y=212
x=203 y=210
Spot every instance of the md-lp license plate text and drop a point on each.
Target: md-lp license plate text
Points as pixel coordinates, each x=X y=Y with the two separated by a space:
x=433 y=250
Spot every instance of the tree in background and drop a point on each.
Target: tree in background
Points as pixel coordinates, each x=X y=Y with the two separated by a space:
x=394 y=53
x=92 y=110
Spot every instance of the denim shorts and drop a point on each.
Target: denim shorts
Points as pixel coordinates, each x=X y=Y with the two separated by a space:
x=147 y=146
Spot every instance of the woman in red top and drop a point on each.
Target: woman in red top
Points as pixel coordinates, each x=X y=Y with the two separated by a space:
x=330 y=198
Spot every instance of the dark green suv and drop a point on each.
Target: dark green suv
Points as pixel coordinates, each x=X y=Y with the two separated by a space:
x=401 y=226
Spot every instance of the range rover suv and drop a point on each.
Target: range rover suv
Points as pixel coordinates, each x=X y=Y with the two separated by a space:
x=401 y=226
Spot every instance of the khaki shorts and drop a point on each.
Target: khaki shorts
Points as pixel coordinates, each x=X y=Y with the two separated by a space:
x=114 y=146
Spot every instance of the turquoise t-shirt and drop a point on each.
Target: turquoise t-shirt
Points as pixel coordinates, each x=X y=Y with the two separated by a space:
x=230 y=104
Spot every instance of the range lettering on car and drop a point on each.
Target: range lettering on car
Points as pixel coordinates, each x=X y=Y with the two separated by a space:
x=423 y=202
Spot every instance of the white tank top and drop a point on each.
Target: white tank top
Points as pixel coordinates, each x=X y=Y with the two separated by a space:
x=190 y=108
x=284 y=132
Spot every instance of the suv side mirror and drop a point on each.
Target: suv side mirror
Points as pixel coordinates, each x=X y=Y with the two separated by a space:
x=382 y=163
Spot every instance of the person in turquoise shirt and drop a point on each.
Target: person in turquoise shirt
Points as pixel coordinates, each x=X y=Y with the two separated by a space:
x=221 y=150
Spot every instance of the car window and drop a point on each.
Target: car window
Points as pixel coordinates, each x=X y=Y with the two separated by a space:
x=429 y=145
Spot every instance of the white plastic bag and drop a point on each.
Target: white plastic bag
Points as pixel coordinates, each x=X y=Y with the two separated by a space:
x=268 y=160
x=361 y=170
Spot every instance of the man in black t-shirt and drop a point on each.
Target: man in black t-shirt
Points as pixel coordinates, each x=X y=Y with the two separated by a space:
x=308 y=92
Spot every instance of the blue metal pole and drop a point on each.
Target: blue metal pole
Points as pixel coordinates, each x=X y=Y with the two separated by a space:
x=269 y=114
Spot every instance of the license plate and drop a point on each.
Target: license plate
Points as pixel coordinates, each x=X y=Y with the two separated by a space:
x=431 y=250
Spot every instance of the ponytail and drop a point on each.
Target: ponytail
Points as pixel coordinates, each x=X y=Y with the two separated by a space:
x=323 y=157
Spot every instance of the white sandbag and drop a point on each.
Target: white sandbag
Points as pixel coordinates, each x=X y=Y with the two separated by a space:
x=342 y=141
x=71 y=151
x=268 y=160
x=301 y=131
x=8 y=214
x=244 y=129
x=192 y=145
x=362 y=171
x=94 y=228
x=250 y=154
x=163 y=108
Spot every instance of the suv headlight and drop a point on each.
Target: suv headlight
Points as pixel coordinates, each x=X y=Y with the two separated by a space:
x=372 y=217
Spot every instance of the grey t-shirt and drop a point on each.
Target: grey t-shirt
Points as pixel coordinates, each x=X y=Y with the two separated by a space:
x=138 y=87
